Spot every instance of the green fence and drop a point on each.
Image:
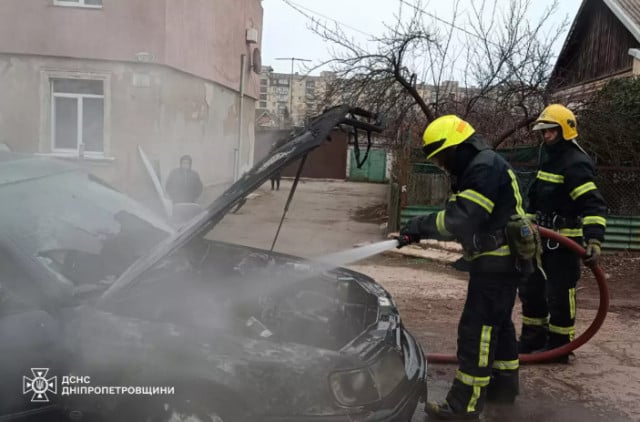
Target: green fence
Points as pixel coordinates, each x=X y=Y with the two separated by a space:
x=411 y=211
x=373 y=170
x=623 y=233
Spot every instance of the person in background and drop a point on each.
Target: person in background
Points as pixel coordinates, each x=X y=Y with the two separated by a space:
x=184 y=184
x=275 y=180
x=564 y=198
x=275 y=177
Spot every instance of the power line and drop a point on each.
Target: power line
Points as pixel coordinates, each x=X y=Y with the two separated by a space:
x=451 y=24
x=301 y=9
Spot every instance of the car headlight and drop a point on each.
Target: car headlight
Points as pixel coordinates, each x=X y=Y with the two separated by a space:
x=388 y=373
x=368 y=385
x=354 y=388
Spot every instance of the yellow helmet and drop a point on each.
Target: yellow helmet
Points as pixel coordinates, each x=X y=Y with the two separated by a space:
x=558 y=115
x=445 y=132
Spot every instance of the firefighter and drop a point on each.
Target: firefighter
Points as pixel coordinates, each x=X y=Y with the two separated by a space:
x=486 y=195
x=563 y=198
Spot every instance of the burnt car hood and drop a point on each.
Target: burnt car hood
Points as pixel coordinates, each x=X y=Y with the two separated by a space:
x=298 y=145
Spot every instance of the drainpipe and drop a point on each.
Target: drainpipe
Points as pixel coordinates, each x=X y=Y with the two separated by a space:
x=243 y=72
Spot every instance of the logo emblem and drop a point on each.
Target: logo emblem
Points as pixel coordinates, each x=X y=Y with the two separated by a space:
x=39 y=385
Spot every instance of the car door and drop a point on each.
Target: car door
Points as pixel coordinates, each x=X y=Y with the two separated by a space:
x=29 y=357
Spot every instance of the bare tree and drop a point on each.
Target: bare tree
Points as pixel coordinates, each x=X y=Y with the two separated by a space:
x=490 y=67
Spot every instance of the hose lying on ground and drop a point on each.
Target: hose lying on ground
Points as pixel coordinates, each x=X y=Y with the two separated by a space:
x=577 y=342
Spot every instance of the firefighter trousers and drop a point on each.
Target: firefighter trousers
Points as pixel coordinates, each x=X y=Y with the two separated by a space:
x=549 y=306
x=487 y=346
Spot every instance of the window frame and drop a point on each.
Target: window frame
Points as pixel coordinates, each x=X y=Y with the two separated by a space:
x=47 y=120
x=80 y=119
x=79 y=3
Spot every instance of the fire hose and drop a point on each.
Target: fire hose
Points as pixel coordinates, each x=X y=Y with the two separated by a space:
x=577 y=342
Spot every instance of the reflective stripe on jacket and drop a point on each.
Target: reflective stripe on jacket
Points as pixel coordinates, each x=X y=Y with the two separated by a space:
x=565 y=186
x=486 y=194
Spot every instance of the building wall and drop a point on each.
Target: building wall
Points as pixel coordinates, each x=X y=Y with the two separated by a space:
x=576 y=95
x=202 y=37
x=171 y=70
x=167 y=112
x=207 y=38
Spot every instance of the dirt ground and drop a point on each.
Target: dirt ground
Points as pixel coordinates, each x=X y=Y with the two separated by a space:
x=602 y=383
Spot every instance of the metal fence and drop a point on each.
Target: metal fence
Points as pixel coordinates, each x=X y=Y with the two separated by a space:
x=620 y=187
x=427 y=185
x=428 y=189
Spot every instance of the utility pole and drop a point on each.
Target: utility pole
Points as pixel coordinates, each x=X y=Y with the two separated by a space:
x=293 y=60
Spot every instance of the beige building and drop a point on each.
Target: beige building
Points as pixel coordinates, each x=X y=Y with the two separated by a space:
x=91 y=80
x=305 y=99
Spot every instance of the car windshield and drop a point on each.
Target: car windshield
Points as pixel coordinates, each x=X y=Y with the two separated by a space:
x=78 y=226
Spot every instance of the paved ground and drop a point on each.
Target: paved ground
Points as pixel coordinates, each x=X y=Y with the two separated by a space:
x=603 y=383
x=318 y=221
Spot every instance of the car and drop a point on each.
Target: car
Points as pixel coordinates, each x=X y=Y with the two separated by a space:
x=108 y=312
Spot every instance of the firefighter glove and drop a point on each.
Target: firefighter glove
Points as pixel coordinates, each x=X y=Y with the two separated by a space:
x=593 y=252
x=410 y=233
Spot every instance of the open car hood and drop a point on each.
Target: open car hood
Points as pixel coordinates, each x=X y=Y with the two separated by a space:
x=298 y=145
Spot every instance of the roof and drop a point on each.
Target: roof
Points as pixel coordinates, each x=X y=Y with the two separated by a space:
x=628 y=12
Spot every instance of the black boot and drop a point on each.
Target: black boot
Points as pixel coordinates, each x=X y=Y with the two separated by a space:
x=555 y=341
x=443 y=411
x=504 y=387
x=532 y=338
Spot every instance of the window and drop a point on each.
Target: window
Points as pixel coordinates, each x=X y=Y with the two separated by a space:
x=311 y=84
x=263 y=104
x=77 y=115
x=263 y=82
x=79 y=3
x=263 y=97
x=263 y=89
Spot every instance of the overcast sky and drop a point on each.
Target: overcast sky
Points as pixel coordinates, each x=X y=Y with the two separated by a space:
x=286 y=33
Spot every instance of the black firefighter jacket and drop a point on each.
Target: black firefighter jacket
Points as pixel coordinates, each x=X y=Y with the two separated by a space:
x=485 y=195
x=565 y=187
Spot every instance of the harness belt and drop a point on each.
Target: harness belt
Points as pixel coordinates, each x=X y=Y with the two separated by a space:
x=485 y=242
x=554 y=221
